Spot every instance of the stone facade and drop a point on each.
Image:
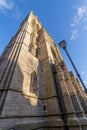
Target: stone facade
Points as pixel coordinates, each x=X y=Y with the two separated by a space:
x=37 y=92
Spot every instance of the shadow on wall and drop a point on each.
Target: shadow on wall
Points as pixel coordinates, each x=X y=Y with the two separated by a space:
x=20 y=109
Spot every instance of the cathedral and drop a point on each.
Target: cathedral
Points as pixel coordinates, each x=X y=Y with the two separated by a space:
x=37 y=91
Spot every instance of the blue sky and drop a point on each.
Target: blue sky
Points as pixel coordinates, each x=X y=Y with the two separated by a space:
x=63 y=19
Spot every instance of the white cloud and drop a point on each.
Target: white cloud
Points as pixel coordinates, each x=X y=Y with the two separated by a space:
x=79 y=19
x=16 y=13
x=84 y=77
x=84 y=73
x=82 y=10
x=80 y=15
x=74 y=34
x=85 y=27
x=85 y=82
x=6 y=5
x=10 y=5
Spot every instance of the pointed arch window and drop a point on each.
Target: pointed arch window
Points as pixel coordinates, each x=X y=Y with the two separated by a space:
x=53 y=55
x=33 y=83
x=37 y=52
x=33 y=22
x=31 y=49
x=32 y=37
x=37 y=26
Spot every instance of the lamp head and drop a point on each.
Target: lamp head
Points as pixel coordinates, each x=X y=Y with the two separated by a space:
x=62 y=44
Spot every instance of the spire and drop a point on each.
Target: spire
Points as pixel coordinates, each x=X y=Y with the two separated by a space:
x=30 y=14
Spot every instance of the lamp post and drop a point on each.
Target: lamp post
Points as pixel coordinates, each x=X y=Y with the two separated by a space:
x=62 y=44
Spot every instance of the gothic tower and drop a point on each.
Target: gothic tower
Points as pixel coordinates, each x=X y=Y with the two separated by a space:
x=37 y=92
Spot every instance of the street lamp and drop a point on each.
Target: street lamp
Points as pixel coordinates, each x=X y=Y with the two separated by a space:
x=62 y=44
